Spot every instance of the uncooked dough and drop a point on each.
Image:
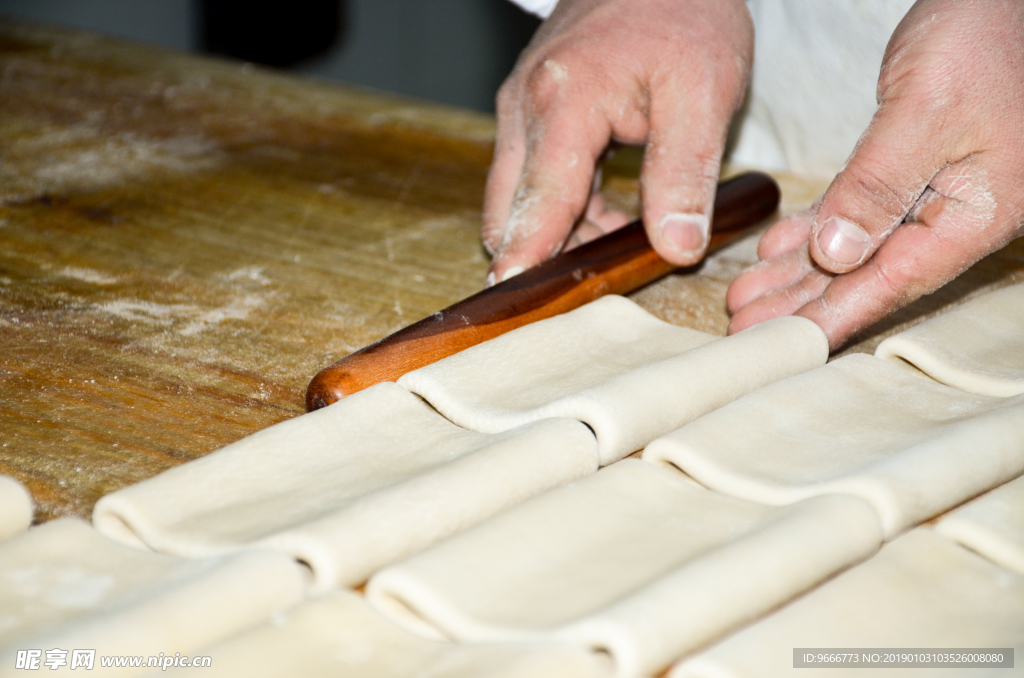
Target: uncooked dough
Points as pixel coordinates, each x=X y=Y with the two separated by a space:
x=909 y=446
x=992 y=525
x=977 y=347
x=340 y=635
x=920 y=591
x=15 y=508
x=635 y=560
x=64 y=586
x=615 y=367
x=349 y=488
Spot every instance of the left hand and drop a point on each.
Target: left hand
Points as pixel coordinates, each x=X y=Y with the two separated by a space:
x=666 y=73
x=934 y=184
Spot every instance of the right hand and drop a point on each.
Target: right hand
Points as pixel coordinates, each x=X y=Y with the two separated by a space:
x=933 y=185
x=669 y=74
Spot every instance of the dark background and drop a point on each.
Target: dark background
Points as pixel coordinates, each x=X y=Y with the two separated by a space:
x=453 y=51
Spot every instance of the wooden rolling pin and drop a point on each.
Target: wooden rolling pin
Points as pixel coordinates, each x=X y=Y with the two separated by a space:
x=617 y=263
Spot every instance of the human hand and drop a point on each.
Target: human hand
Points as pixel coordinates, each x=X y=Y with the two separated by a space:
x=934 y=184
x=667 y=73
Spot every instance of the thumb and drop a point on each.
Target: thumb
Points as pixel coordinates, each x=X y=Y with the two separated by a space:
x=869 y=199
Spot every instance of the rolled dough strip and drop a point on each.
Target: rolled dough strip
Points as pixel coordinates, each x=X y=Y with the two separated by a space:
x=910 y=447
x=346 y=489
x=992 y=525
x=15 y=508
x=977 y=347
x=340 y=635
x=64 y=586
x=920 y=591
x=610 y=562
x=612 y=365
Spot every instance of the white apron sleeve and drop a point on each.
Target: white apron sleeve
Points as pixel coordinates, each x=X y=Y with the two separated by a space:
x=542 y=8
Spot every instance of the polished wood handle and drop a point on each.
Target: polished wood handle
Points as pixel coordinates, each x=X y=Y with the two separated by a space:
x=617 y=263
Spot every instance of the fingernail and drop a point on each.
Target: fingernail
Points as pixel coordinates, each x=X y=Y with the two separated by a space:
x=490 y=280
x=512 y=272
x=843 y=241
x=686 y=232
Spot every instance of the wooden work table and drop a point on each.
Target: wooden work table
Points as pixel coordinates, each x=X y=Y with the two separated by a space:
x=184 y=242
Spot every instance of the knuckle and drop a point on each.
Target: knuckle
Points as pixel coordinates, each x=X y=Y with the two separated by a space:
x=874 y=187
x=715 y=78
x=507 y=98
x=554 y=70
x=707 y=165
x=803 y=291
x=544 y=82
x=891 y=283
x=888 y=77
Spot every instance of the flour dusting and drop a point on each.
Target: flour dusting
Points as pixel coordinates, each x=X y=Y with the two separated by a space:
x=62 y=587
x=88 y=275
x=238 y=309
x=195 y=319
x=82 y=158
x=253 y=273
x=146 y=311
x=559 y=73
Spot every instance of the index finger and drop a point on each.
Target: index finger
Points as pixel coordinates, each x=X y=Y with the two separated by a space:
x=563 y=145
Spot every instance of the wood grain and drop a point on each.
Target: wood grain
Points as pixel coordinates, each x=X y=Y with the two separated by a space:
x=618 y=263
x=184 y=242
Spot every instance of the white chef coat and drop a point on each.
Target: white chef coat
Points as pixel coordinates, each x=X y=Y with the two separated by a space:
x=812 y=92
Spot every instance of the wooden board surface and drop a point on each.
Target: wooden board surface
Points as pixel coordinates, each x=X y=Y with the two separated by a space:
x=184 y=242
